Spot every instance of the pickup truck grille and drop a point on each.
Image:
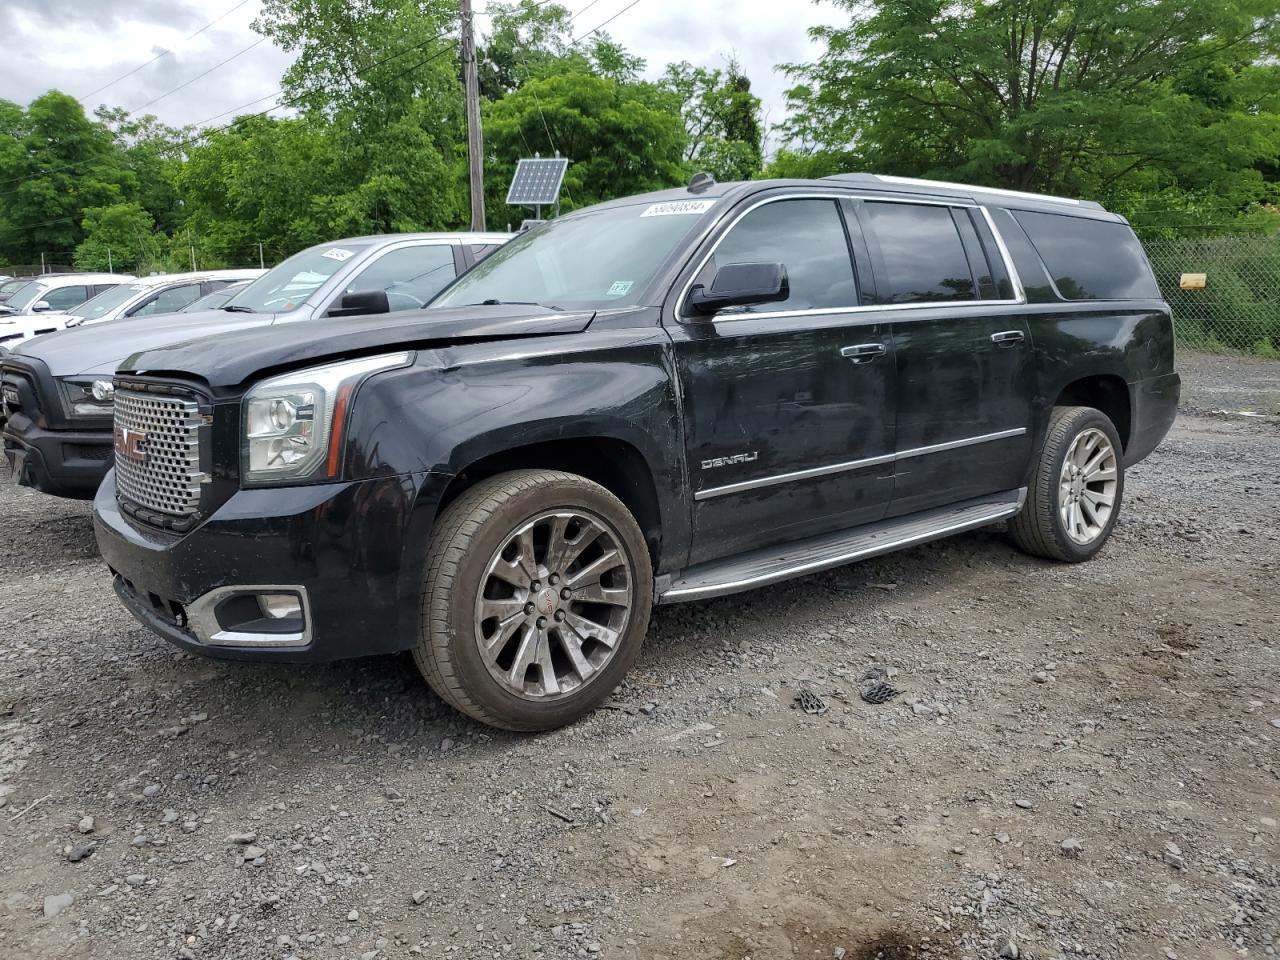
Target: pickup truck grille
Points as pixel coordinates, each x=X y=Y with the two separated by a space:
x=157 y=449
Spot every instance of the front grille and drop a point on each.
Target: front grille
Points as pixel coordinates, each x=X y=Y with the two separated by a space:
x=157 y=450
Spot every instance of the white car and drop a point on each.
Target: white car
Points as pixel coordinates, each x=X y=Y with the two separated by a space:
x=58 y=293
x=140 y=297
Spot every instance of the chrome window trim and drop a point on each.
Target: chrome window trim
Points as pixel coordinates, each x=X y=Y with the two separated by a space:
x=834 y=468
x=1019 y=293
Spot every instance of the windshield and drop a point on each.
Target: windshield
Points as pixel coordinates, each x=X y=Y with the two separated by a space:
x=286 y=287
x=11 y=287
x=26 y=296
x=211 y=301
x=600 y=257
x=108 y=300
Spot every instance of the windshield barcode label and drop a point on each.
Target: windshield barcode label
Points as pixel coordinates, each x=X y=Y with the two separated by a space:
x=674 y=208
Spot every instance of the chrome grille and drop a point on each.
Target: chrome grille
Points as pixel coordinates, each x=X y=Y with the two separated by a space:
x=157 y=447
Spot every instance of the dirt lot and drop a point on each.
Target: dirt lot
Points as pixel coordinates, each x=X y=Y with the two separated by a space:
x=1130 y=706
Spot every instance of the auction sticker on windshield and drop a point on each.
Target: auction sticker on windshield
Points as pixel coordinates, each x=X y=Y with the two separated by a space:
x=675 y=208
x=337 y=253
x=620 y=288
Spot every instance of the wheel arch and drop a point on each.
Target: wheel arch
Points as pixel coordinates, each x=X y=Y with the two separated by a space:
x=614 y=463
x=1106 y=392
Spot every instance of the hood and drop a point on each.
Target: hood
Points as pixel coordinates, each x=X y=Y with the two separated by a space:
x=98 y=348
x=232 y=359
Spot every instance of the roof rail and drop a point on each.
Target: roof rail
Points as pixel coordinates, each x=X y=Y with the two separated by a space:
x=965 y=187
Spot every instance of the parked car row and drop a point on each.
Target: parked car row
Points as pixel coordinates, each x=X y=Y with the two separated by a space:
x=662 y=398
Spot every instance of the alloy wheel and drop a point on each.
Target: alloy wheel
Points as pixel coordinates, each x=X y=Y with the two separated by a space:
x=1087 y=486
x=553 y=605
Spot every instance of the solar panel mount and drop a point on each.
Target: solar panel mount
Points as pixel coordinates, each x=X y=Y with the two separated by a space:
x=537 y=182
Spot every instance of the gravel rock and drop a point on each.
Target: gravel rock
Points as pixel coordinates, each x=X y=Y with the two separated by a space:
x=86 y=825
x=55 y=904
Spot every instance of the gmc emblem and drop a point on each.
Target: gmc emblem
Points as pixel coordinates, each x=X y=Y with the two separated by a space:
x=129 y=443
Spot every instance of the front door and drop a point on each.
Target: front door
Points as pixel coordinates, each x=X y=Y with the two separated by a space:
x=962 y=347
x=788 y=406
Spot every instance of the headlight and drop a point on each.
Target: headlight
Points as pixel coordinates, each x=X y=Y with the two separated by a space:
x=293 y=423
x=89 y=398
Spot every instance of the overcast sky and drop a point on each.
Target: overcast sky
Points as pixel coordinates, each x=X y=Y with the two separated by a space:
x=78 y=46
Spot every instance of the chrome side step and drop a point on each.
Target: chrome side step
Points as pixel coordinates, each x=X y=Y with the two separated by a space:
x=769 y=565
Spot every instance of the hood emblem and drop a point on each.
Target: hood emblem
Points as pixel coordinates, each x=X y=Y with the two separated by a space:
x=129 y=443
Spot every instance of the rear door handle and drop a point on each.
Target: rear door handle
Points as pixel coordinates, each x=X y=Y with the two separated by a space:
x=1007 y=338
x=864 y=352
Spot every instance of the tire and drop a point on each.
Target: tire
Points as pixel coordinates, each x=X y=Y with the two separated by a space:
x=1041 y=528
x=477 y=544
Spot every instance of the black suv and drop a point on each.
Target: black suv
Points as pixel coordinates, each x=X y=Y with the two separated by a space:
x=663 y=398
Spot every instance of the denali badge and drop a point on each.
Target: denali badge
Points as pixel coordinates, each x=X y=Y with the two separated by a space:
x=726 y=461
x=129 y=443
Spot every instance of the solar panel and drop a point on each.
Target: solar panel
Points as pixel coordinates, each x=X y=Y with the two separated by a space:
x=537 y=182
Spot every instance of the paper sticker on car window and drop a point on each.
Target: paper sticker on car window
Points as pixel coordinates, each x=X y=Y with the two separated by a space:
x=337 y=253
x=675 y=208
x=620 y=288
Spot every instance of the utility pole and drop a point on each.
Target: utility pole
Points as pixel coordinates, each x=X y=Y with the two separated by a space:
x=262 y=264
x=475 y=139
x=42 y=269
x=193 y=251
x=109 y=269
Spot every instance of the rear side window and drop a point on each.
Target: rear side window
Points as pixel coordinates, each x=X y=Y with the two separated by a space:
x=1090 y=259
x=922 y=258
x=805 y=236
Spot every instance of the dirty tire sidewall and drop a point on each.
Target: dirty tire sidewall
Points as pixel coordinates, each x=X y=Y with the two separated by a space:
x=1038 y=529
x=465 y=537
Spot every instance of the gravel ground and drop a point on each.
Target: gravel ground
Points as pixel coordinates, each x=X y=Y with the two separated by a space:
x=1084 y=761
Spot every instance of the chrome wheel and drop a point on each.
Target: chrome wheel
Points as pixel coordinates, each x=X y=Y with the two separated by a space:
x=553 y=605
x=1087 y=486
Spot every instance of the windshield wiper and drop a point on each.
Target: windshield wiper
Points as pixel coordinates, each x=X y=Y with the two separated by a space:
x=236 y=308
x=493 y=302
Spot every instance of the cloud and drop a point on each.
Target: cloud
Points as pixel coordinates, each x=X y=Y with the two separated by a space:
x=79 y=45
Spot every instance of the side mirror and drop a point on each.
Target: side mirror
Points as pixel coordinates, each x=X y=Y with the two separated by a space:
x=356 y=304
x=740 y=285
x=41 y=306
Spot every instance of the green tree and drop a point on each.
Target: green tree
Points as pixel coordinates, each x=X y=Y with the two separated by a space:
x=621 y=137
x=54 y=164
x=1108 y=100
x=118 y=237
x=721 y=119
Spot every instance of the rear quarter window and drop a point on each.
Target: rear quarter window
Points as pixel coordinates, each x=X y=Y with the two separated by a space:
x=1090 y=259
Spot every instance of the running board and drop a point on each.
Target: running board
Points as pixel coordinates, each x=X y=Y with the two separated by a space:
x=761 y=567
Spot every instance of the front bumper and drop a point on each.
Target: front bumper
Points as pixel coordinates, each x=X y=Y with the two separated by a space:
x=65 y=463
x=354 y=552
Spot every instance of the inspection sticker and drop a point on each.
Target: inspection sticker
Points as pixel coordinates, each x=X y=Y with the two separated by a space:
x=337 y=253
x=620 y=288
x=675 y=208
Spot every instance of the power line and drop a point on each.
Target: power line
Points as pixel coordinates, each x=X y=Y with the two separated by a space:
x=605 y=24
x=163 y=53
x=199 y=76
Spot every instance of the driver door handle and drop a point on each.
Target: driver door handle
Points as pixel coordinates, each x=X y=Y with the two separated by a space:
x=864 y=352
x=1007 y=338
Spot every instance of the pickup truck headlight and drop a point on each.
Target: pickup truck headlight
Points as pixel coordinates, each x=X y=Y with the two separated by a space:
x=293 y=424
x=88 y=398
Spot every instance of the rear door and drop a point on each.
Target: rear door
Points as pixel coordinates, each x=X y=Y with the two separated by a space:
x=962 y=349
x=788 y=407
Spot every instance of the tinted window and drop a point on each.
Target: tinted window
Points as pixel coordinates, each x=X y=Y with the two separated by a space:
x=1035 y=282
x=64 y=298
x=922 y=258
x=805 y=236
x=478 y=253
x=1091 y=259
x=410 y=276
x=168 y=301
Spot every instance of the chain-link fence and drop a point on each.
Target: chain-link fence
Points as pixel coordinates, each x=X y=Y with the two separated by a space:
x=1239 y=306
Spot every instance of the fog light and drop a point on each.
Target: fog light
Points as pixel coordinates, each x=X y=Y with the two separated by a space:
x=279 y=606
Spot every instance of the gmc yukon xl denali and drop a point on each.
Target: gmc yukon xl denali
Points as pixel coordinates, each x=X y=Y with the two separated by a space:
x=663 y=398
